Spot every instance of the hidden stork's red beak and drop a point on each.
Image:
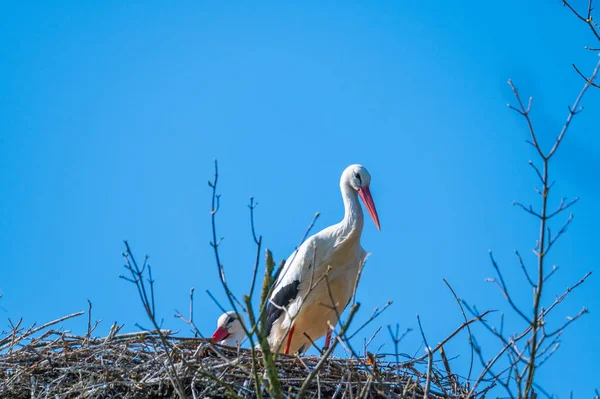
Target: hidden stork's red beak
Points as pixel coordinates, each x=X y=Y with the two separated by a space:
x=219 y=335
x=365 y=194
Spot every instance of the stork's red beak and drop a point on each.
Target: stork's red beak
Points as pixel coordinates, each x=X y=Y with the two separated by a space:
x=365 y=194
x=219 y=335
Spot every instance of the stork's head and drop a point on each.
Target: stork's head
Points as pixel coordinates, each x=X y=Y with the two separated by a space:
x=229 y=330
x=358 y=178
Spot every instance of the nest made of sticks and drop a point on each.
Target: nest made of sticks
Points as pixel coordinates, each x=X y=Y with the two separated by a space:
x=59 y=364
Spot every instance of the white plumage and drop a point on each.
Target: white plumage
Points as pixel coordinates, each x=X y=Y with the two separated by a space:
x=229 y=330
x=301 y=301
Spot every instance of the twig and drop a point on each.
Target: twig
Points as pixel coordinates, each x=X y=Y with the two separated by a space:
x=137 y=278
x=429 y=360
x=462 y=310
x=258 y=242
x=35 y=330
x=376 y=313
x=311 y=375
x=449 y=337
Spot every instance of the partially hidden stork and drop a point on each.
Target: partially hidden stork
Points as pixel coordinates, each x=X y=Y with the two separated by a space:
x=301 y=304
x=229 y=330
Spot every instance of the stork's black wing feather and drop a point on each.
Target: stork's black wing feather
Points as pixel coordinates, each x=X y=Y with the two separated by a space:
x=283 y=297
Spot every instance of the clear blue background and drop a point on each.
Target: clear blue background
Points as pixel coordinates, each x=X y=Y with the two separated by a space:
x=111 y=114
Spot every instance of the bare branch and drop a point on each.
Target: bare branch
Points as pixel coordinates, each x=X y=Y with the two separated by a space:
x=525 y=113
x=462 y=311
x=221 y=308
x=570 y=320
x=552 y=240
x=554 y=269
x=504 y=289
x=562 y=206
x=449 y=337
x=575 y=108
x=524 y=268
x=149 y=305
x=376 y=313
x=429 y=360
x=313 y=373
x=258 y=242
x=587 y=20
x=537 y=171
x=527 y=209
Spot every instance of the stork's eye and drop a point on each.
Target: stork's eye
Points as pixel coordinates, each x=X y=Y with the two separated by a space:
x=358 y=178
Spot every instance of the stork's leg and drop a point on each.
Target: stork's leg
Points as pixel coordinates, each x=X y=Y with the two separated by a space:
x=327 y=340
x=289 y=341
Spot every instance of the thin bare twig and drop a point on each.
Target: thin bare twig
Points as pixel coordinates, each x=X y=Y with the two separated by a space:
x=429 y=360
x=462 y=311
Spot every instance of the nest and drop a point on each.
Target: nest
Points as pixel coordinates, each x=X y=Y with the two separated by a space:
x=58 y=364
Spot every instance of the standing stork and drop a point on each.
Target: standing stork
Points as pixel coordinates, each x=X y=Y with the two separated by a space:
x=301 y=301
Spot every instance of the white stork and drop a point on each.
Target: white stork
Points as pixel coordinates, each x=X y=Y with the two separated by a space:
x=293 y=305
x=229 y=330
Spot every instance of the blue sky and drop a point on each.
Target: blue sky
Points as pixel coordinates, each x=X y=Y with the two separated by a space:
x=111 y=114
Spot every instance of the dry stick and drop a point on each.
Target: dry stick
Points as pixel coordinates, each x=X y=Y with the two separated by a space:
x=312 y=343
x=190 y=321
x=582 y=75
x=376 y=313
x=588 y=20
x=356 y=281
x=215 y=205
x=486 y=368
x=447 y=367
x=333 y=305
x=367 y=343
x=137 y=274
x=14 y=330
x=248 y=300
x=429 y=360
x=257 y=381
x=89 y=324
x=462 y=310
x=509 y=342
x=345 y=342
x=138 y=280
x=311 y=375
x=271 y=371
x=517 y=338
x=396 y=338
x=215 y=301
x=258 y=242
x=33 y=331
x=593 y=26
x=504 y=289
x=564 y=294
x=543 y=215
x=196 y=331
x=449 y=337
x=524 y=268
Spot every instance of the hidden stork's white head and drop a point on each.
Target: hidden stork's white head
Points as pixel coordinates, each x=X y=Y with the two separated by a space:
x=358 y=178
x=229 y=330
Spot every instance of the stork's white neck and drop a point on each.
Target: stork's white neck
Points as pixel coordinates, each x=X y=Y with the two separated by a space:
x=234 y=339
x=353 y=214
